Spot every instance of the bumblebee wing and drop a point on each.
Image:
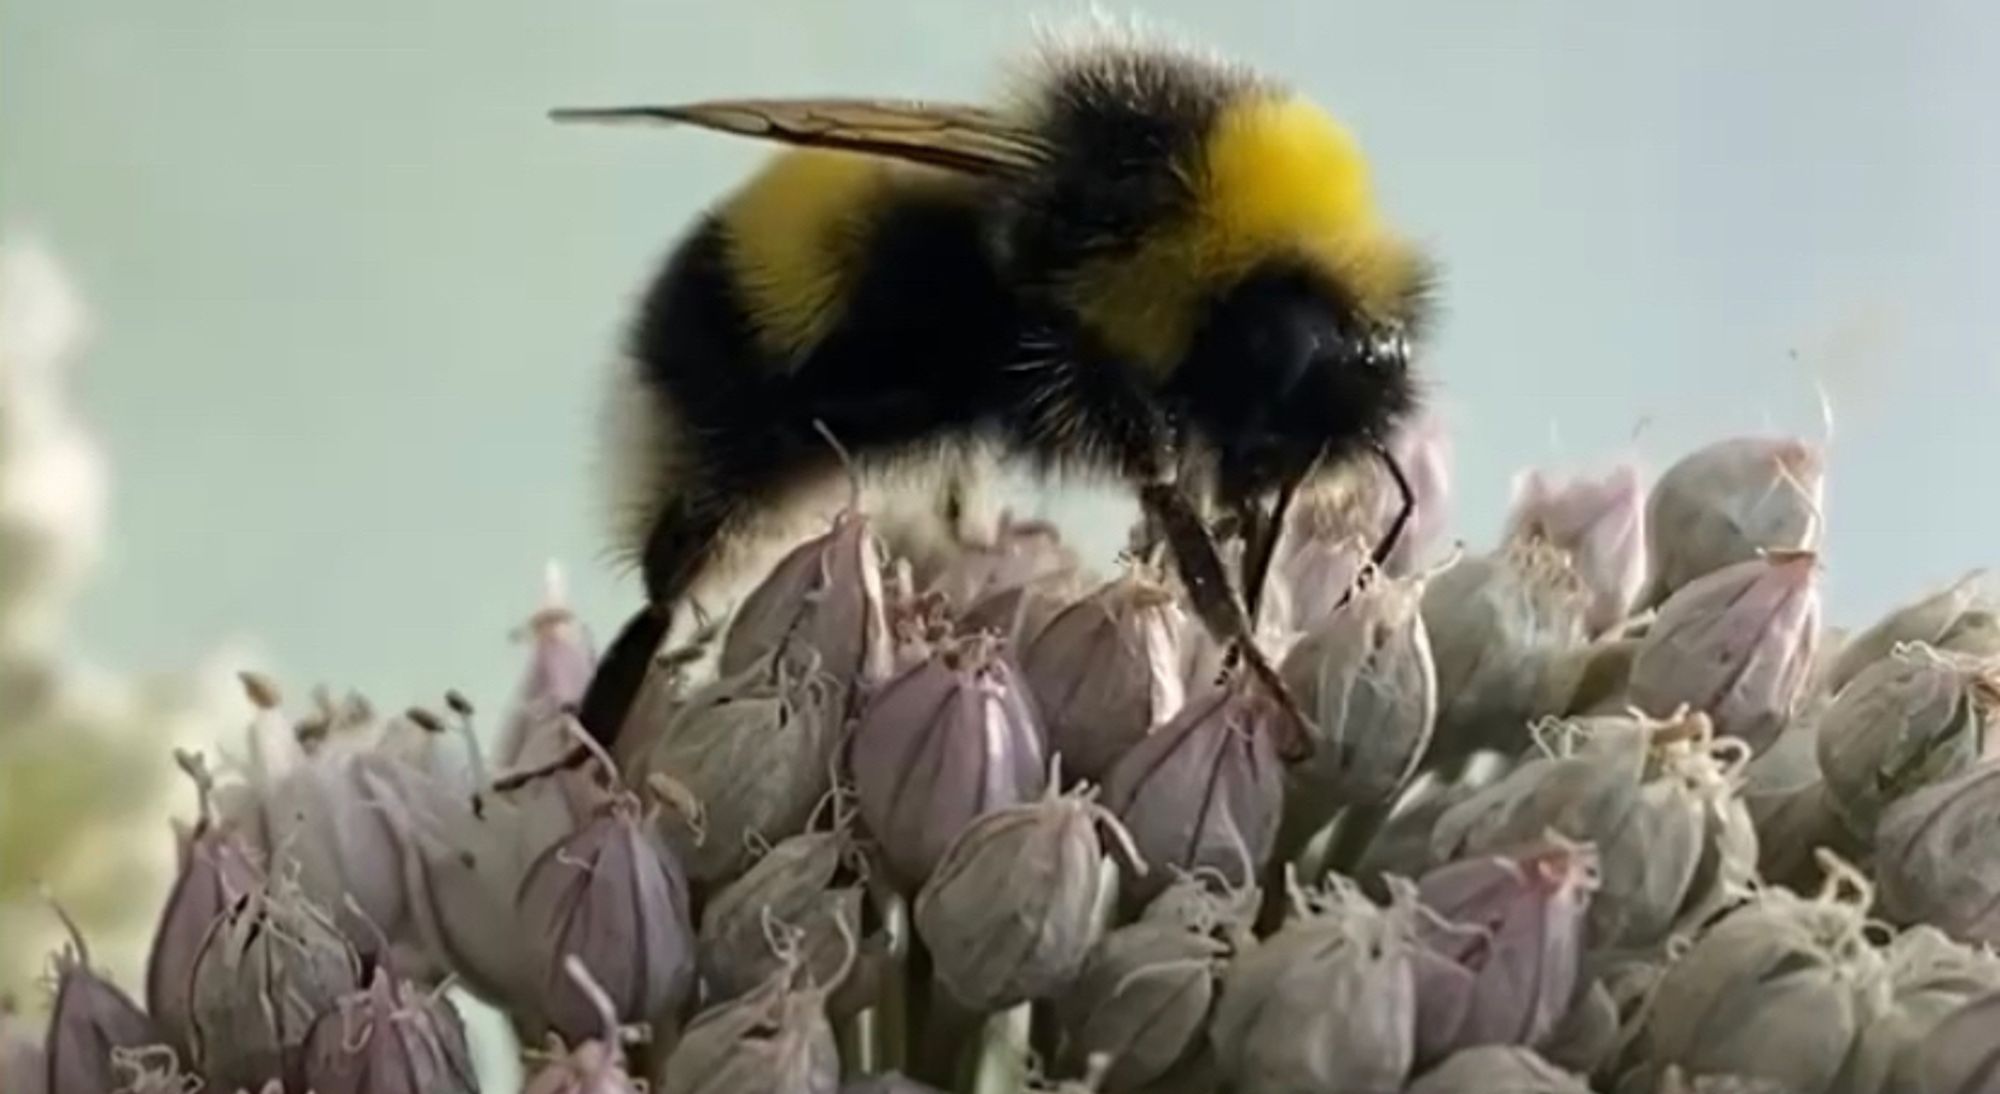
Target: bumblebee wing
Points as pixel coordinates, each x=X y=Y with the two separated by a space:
x=969 y=139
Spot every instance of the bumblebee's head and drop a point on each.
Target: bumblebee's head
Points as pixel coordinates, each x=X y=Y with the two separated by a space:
x=1218 y=234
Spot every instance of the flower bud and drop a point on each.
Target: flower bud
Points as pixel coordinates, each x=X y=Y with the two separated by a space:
x=616 y=900
x=1646 y=794
x=1204 y=791
x=1959 y=618
x=466 y=843
x=1960 y=1055
x=308 y=782
x=1906 y=721
x=808 y=883
x=1587 y=1037
x=1776 y=990
x=92 y=1020
x=1930 y=976
x=1316 y=566
x=1498 y=625
x=825 y=596
x=216 y=872
x=1599 y=524
x=1143 y=999
x=1014 y=907
x=755 y=750
x=593 y=1067
x=963 y=715
x=1501 y=947
x=1497 y=1069
x=1937 y=855
x=1365 y=679
x=773 y=1040
x=1106 y=670
x=389 y=1038
x=1326 y=1003
x=270 y=966
x=561 y=660
x=1737 y=643
x=1724 y=504
x=1023 y=553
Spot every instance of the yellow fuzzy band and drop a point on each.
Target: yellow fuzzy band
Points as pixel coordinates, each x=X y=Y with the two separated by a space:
x=794 y=237
x=1276 y=178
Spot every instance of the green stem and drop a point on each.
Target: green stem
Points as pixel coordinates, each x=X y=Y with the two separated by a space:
x=996 y=1061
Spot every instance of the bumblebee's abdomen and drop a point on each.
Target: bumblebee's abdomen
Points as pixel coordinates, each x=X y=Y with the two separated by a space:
x=891 y=322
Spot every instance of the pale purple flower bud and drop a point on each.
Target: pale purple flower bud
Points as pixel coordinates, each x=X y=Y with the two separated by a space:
x=466 y=845
x=91 y=1021
x=1906 y=721
x=593 y=1067
x=1106 y=670
x=756 y=750
x=825 y=596
x=1655 y=798
x=1930 y=977
x=1727 y=503
x=1368 y=686
x=811 y=884
x=1315 y=569
x=1204 y=791
x=1599 y=524
x=1498 y=624
x=561 y=661
x=1962 y=1054
x=24 y=1068
x=1588 y=1036
x=1777 y=990
x=216 y=872
x=1738 y=644
x=1502 y=946
x=774 y=1040
x=1013 y=909
x=612 y=897
x=1937 y=855
x=1023 y=552
x=1326 y=1003
x=1497 y=1069
x=1960 y=618
x=271 y=966
x=1143 y=999
x=317 y=817
x=389 y=1038
x=965 y=719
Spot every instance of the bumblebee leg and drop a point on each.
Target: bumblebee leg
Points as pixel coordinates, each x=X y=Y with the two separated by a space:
x=1394 y=535
x=682 y=541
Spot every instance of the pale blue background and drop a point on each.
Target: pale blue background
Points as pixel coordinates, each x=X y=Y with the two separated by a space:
x=355 y=296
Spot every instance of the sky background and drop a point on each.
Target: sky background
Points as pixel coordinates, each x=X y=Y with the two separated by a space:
x=354 y=297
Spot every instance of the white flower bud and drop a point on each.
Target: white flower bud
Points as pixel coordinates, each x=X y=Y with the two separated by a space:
x=1725 y=503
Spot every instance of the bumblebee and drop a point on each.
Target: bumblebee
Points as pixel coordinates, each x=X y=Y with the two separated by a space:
x=1145 y=263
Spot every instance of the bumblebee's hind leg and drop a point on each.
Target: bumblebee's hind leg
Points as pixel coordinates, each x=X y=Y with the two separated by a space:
x=682 y=543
